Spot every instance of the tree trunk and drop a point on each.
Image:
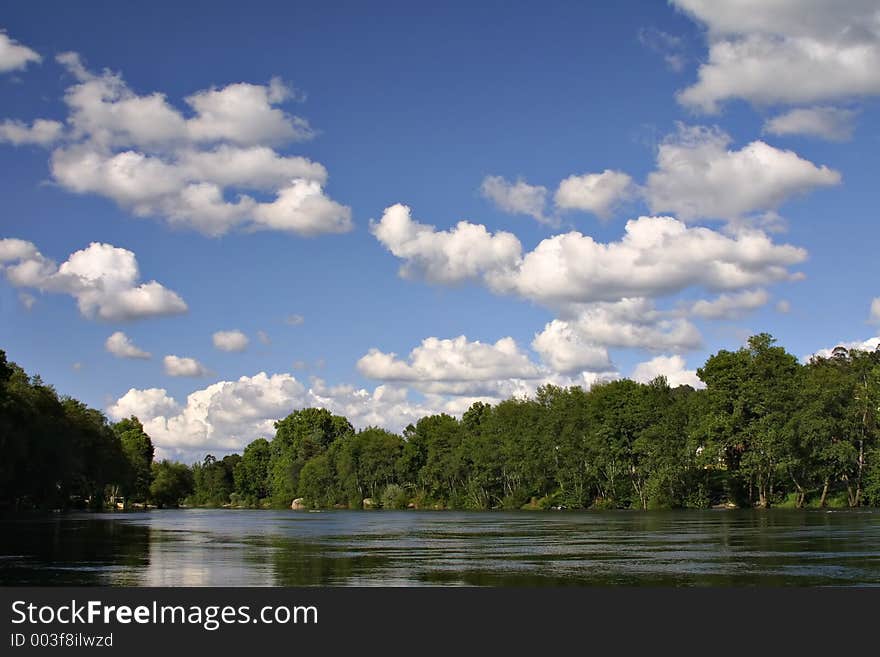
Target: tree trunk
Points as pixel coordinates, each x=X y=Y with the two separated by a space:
x=858 y=496
x=824 y=497
x=800 y=497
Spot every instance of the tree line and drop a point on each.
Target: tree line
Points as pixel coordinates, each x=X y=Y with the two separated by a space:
x=765 y=431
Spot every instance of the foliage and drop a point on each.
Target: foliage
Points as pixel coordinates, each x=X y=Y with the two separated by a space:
x=172 y=483
x=766 y=430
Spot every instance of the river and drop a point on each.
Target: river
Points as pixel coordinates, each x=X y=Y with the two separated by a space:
x=222 y=547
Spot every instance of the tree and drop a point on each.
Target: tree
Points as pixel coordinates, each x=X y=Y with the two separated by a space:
x=300 y=436
x=365 y=463
x=752 y=394
x=213 y=480
x=172 y=483
x=138 y=449
x=251 y=475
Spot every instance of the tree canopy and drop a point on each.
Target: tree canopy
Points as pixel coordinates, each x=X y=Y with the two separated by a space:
x=765 y=431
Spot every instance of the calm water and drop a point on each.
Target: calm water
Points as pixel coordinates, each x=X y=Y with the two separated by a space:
x=284 y=548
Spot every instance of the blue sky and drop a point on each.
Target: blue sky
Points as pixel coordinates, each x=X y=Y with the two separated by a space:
x=476 y=112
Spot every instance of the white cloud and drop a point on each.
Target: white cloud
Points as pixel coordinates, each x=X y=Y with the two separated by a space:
x=598 y=193
x=787 y=52
x=632 y=323
x=699 y=177
x=143 y=404
x=294 y=320
x=656 y=256
x=41 y=132
x=15 y=56
x=195 y=171
x=783 y=306
x=875 y=310
x=672 y=367
x=302 y=208
x=227 y=415
x=456 y=366
x=104 y=280
x=230 y=340
x=871 y=344
x=263 y=337
x=467 y=251
x=565 y=349
x=831 y=123
x=183 y=366
x=517 y=197
x=244 y=113
x=121 y=346
x=12 y=248
x=730 y=306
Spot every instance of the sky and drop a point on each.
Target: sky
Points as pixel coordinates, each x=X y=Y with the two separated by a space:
x=211 y=218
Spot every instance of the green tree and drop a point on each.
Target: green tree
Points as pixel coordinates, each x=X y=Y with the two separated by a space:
x=172 y=483
x=300 y=436
x=138 y=450
x=752 y=394
x=213 y=480
x=251 y=475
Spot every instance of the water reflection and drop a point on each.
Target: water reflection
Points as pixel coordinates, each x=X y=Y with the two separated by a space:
x=80 y=550
x=267 y=548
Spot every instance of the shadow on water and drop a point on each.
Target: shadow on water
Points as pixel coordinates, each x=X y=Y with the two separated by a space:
x=278 y=548
x=72 y=549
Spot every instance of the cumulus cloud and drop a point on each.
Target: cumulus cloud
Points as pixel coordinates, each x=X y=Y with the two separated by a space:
x=294 y=320
x=143 y=404
x=633 y=323
x=227 y=415
x=672 y=367
x=656 y=256
x=230 y=340
x=831 y=123
x=871 y=344
x=783 y=306
x=121 y=346
x=875 y=310
x=787 y=52
x=183 y=366
x=699 y=177
x=41 y=132
x=598 y=193
x=730 y=306
x=195 y=170
x=567 y=350
x=263 y=337
x=465 y=252
x=15 y=56
x=456 y=366
x=517 y=197
x=104 y=280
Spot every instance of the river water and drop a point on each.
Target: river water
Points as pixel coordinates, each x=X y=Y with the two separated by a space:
x=222 y=547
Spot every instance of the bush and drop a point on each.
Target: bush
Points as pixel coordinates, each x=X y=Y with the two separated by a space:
x=394 y=497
